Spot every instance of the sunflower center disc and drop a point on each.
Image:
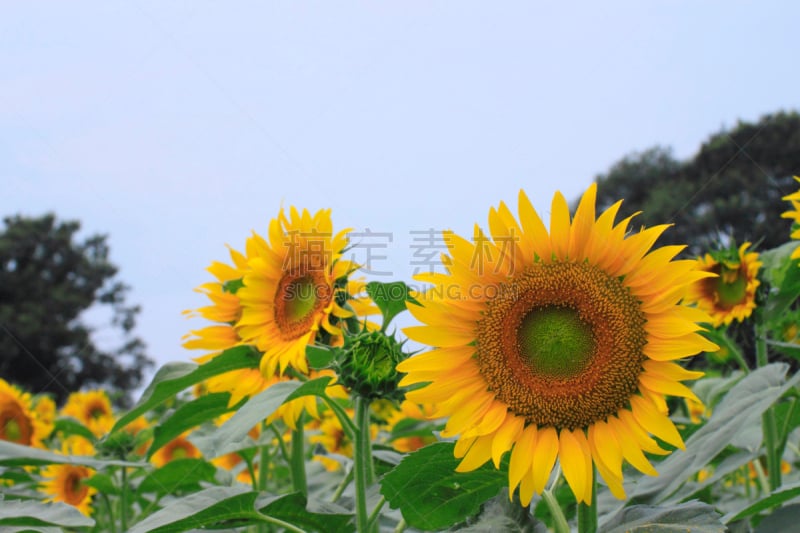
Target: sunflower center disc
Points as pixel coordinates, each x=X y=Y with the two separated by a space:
x=300 y=298
x=12 y=431
x=555 y=341
x=731 y=292
x=561 y=344
x=74 y=489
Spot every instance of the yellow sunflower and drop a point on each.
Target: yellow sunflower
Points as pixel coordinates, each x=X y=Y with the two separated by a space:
x=91 y=408
x=731 y=294
x=293 y=288
x=556 y=345
x=794 y=214
x=64 y=482
x=177 y=448
x=19 y=422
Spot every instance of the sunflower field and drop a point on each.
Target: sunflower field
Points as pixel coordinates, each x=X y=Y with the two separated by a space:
x=562 y=376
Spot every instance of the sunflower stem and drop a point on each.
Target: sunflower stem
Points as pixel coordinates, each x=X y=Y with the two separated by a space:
x=769 y=424
x=362 y=463
x=560 y=524
x=123 y=503
x=343 y=485
x=110 y=512
x=587 y=513
x=298 y=460
x=263 y=464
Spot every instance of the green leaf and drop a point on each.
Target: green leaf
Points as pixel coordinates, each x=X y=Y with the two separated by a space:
x=781 y=272
x=742 y=407
x=313 y=387
x=32 y=514
x=390 y=298
x=239 y=506
x=782 y=519
x=103 y=483
x=176 y=475
x=320 y=356
x=694 y=516
x=16 y=454
x=173 y=378
x=187 y=416
x=432 y=495
x=782 y=494
x=69 y=426
x=233 y=434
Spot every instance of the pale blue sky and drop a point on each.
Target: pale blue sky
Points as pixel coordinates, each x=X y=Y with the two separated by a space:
x=177 y=127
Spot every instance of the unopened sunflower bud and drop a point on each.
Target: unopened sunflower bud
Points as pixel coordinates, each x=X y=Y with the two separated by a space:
x=367 y=365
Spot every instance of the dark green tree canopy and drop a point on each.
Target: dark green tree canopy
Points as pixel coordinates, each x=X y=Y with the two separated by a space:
x=47 y=281
x=731 y=189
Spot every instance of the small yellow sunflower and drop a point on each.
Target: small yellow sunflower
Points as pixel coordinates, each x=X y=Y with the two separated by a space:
x=64 y=482
x=794 y=214
x=556 y=345
x=19 y=422
x=731 y=294
x=410 y=410
x=177 y=448
x=91 y=408
x=293 y=288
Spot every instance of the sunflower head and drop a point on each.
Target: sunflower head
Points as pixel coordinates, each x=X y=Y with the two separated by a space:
x=292 y=290
x=794 y=215
x=19 y=421
x=367 y=365
x=93 y=409
x=65 y=482
x=556 y=344
x=731 y=293
x=177 y=448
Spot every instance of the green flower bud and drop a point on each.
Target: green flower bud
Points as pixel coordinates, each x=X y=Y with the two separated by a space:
x=367 y=365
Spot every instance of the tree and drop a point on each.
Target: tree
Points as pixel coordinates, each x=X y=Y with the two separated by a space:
x=47 y=281
x=731 y=189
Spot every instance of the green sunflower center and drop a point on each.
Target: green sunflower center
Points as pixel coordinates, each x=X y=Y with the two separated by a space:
x=561 y=344
x=555 y=341
x=15 y=426
x=12 y=431
x=300 y=298
x=179 y=452
x=732 y=292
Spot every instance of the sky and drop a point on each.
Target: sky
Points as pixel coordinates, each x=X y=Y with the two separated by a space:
x=179 y=127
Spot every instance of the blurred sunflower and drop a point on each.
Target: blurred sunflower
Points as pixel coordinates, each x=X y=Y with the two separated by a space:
x=556 y=345
x=19 y=422
x=92 y=409
x=65 y=482
x=410 y=411
x=294 y=288
x=731 y=294
x=177 y=448
x=794 y=214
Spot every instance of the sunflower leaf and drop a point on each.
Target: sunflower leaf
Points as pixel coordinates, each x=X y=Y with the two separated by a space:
x=187 y=416
x=173 y=378
x=692 y=516
x=34 y=514
x=69 y=426
x=176 y=475
x=781 y=272
x=390 y=298
x=17 y=454
x=432 y=495
x=320 y=356
x=782 y=494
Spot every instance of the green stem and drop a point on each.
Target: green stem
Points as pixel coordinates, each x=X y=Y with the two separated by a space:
x=263 y=467
x=401 y=526
x=762 y=477
x=587 y=513
x=376 y=513
x=123 y=501
x=362 y=459
x=770 y=425
x=343 y=485
x=559 y=520
x=110 y=512
x=281 y=444
x=280 y=523
x=298 y=461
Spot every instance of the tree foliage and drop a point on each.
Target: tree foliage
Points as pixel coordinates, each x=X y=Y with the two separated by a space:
x=731 y=189
x=47 y=281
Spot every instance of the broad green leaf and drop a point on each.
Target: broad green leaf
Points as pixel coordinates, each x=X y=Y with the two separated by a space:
x=233 y=434
x=390 y=298
x=313 y=387
x=69 y=426
x=742 y=406
x=173 y=378
x=694 y=516
x=34 y=514
x=783 y=519
x=310 y=516
x=432 y=495
x=320 y=356
x=103 y=483
x=782 y=494
x=179 y=474
x=188 y=416
x=781 y=272
x=15 y=454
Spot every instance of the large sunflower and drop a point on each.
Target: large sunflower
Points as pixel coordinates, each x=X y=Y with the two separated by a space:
x=19 y=422
x=556 y=345
x=294 y=288
x=731 y=294
x=794 y=214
